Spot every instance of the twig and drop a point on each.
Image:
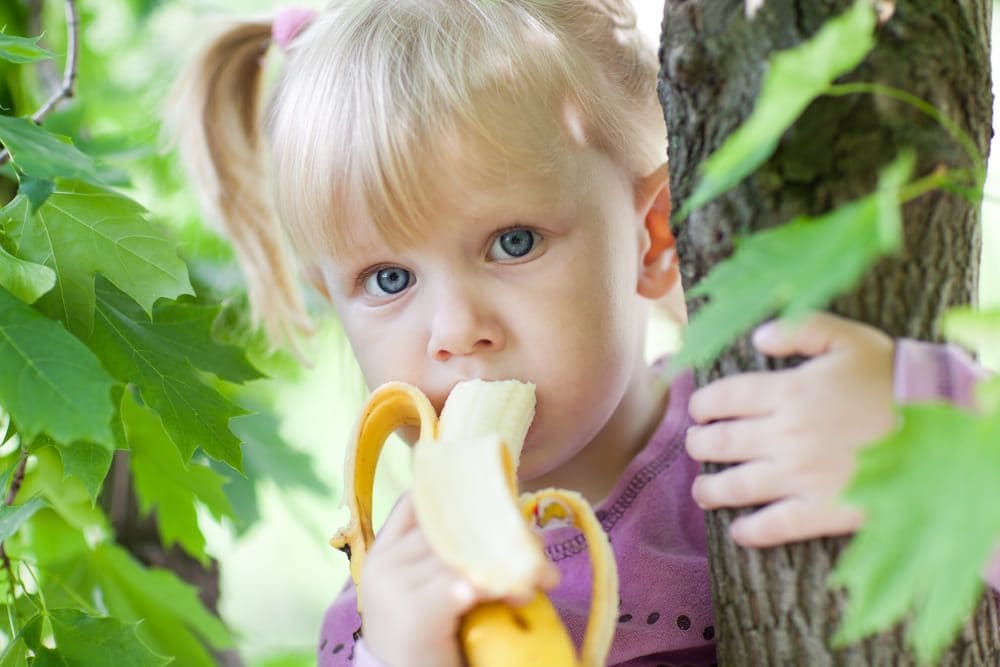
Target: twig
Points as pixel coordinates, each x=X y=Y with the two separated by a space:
x=15 y=486
x=15 y=483
x=66 y=90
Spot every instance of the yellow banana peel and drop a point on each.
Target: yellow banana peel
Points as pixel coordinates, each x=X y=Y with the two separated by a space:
x=465 y=497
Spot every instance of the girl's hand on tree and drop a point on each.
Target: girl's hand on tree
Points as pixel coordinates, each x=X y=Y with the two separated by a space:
x=794 y=433
x=411 y=600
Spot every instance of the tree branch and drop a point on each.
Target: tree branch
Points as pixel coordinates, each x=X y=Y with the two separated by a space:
x=67 y=89
x=15 y=486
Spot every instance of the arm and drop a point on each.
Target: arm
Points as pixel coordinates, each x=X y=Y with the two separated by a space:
x=928 y=372
x=337 y=643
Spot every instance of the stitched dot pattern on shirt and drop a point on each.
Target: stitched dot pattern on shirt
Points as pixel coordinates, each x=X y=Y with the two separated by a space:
x=625 y=618
x=683 y=622
x=709 y=633
x=653 y=618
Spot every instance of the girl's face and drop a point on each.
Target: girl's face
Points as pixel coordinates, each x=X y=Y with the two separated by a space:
x=535 y=280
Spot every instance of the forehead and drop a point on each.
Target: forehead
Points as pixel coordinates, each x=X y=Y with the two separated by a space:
x=470 y=181
x=510 y=160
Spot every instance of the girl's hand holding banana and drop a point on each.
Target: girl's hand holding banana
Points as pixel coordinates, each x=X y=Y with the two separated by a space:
x=402 y=573
x=457 y=573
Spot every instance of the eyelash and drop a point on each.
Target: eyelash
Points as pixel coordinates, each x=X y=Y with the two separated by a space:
x=537 y=239
x=374 y=271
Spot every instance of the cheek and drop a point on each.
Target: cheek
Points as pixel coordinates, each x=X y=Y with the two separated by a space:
x=384 y=350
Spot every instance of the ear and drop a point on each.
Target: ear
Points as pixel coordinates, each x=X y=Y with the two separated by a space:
x=659 y=271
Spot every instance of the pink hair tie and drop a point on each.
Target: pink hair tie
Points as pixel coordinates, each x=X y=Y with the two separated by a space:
x=288 y=23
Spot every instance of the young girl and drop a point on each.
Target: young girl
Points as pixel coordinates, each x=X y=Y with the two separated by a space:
x=479 y=188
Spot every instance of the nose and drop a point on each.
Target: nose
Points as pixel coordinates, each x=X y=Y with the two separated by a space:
x=464 y=322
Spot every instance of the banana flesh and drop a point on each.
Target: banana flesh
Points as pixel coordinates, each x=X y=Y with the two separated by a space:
x=465 y=497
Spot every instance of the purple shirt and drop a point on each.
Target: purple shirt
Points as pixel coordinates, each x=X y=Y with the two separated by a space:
x=658 y=536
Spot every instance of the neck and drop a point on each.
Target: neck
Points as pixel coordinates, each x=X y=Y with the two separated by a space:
x=595 y=470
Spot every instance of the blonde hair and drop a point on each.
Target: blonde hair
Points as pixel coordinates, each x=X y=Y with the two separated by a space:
x=380 y=99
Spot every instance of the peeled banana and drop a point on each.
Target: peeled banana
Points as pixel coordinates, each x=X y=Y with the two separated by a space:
x=465 y=497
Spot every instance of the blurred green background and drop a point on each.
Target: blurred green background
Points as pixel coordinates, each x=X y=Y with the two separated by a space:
x=278 y=577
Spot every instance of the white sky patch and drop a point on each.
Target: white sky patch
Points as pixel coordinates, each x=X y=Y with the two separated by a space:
x=752 y=7
x=649 y=14
x=885 y=9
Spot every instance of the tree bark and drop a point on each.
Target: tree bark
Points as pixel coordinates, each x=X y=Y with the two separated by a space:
x=772 y=606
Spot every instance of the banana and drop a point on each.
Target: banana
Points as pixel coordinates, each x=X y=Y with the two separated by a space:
x=465 y=497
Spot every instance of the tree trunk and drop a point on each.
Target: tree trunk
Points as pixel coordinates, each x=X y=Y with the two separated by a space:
x=772 y=606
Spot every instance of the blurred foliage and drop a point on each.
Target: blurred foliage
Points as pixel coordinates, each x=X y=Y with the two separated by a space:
x=123 y=328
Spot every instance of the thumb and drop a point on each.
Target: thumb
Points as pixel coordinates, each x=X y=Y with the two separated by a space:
x=817 y=334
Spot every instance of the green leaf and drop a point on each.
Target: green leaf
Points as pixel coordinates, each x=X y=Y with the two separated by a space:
x=175 y=622
x=82 y=230
x=796 y=267
x=242 y=495
x=37 y=190
x=15 y=655
x=65 y=494
x=5 y=476
x=21 y=50
x=155 y=358
x=49 y=381
x=51 y=540
x=266 y=456
x=41 y=154
x=11 y=517
x=88 y=462
x=899 y=564
x=88 y=640
x=988 y=394
x=287 y=659
x=794 y=79
x=189 y=328
x=25 y=280
x=269 y=456
x=978 y=330
x=164 y=482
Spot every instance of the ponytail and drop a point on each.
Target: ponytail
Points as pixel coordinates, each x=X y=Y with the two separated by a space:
x=214 y=114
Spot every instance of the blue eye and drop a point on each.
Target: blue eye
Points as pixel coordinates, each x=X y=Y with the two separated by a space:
x=387 y=281
x=513 y=244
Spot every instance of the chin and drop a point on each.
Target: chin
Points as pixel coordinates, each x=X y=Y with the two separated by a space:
x=536 y=463
x=528 y=467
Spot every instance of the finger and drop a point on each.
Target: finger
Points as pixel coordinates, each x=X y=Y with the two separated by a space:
x=401 y=520
x=753 y=483
x=732 y=441
x=818 y=334
x=793 y=520
x=410 y=547
x=447 y=591
x=743 y=395
x=549 y=577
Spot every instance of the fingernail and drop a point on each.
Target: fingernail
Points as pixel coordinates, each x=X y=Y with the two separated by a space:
x=736 y=529
x=698 y=481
